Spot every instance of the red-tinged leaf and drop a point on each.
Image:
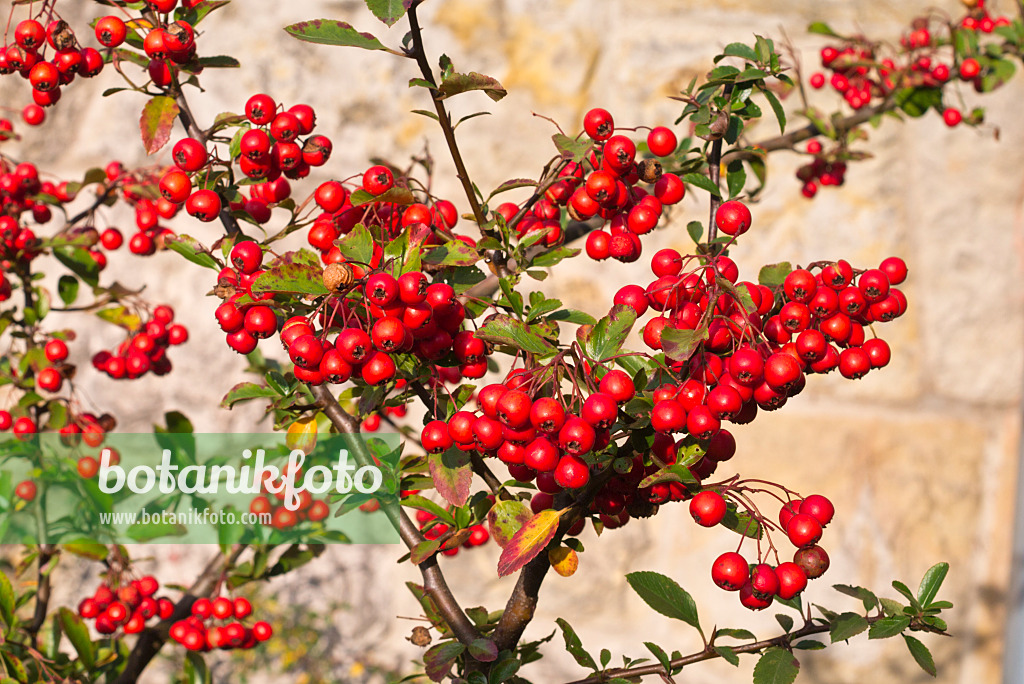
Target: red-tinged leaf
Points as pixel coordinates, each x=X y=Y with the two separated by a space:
x=529 y=541
x=295 y=272
x=156 y=122
x=461 y=83
x=513 y=184
x=331 y=32
x=424 y=550
x=452 y=475
x=438 y=660
x=388 y=11
x=505 y=519
x=679 y=345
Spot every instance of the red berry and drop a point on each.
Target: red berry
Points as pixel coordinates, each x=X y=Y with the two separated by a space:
x=819 y=508
x=661 y=141
x=598 y=124
x=733 y=218
x=378 y=180
x=26 y=490
x=708 y=508
x=792 y=580
x=813 y=561
x=572 y=472
x=435 y=437
x=730 y=571
x=803 y=530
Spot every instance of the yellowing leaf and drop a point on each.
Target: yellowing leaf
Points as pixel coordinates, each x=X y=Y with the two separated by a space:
x=529 y=541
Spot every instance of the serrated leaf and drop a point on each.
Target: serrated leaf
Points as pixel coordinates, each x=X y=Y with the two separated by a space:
x=679 y=345
x=452 y=475
x=331 y=32
x=439 y=659
x=462 y=83
x=889 y=627
x=575 y=647
x=424 y=550
x=505 y=330
x=529 y=541
x=156 y=121
x=7 y=600
x=606 y=338
x=780 y=113
x=396 y=195
x=728 y=655
x=735 y=633
x=695 y=229
x=293 y=273
x=846 y=625
x=67 y=289
x=740 y=50
x=357 y=245
x=931 y=582
x=193 y=250
x=702 y=182
x=513 y=184
x=823 y=29
x=665 y=596
x=776 y=666
x=866 y=596
x=483 y=650
x=78 y=635
x=79 y=262
x=422 y=503
x=660 y=654
x=774 y=275
x=452 y=253
x=245 y=391
x=506 y=518
x=572 y=149
x=921 y=654
x=388 y=11
x=87 y=549
x=741 y=523
x=906 y=593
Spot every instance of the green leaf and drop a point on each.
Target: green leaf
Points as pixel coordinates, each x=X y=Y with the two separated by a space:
x=751 y=74
x=695 y=229
x=735 y=178
x=462 y=83
x=572 y=149
x=294 y=273
x=439 y=659
x=246 y=391
x=665 y=596
x=823 y=29
x=452 y=253
x=6 y=600
x=605 y=339
x=80 y=262
x=846 y=625
x=143 y=532
x=331 y=32
x=483 y=650
x=452 y=475
x=740 y=50
x=702 y=182
x=660 y=654
x=505 y=330
x=775 y=274
x=357 y=245
x=889 y=627
x=931 y=582
x=741 y=523
x=780 y=113
x=785 y=621
x=513 y=184
x=905 y=591
x=196 y=668
x=808 y=645
x=554 y=256
x=866 y=596
x=728 y=655
x=78 y=634
x=921 y=654
x=916 y=102
x=422 y=503
x=87 y=549
x=575 y=647
x=191 y=249
x=388 y=11
x=776 y=666
x=735 y=633
x=396 y=195
x=156 y=121
x=67 y=289
x=219 y=62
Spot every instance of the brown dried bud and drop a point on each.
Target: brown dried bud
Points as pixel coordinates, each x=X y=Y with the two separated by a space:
x=420 y=636
x=720 y=125
x=63 y=36
x=337 y=276
x=649 y=170
x=107 y=422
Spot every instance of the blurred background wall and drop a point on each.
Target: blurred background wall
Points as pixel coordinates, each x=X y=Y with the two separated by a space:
x=920 y=458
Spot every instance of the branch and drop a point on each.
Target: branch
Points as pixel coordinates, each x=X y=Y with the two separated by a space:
x=433 y=579
x=46 y=553
x=715 y=171
x=709 y=653
x=420 y=55
x=152 y=639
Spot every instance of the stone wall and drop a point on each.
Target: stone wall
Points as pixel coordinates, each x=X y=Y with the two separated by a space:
x=920 y=458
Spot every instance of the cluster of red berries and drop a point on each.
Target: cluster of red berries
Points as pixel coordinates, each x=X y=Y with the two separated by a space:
x=20 y=191
x=272 y=149
x=477 y=534
x=759 y=584
x=126 y=607
x=145 y=350
x=195 y=635
x=431 y=225
x=825 y=169
x=606 y=185
x=979 y=19
x=313 y=510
